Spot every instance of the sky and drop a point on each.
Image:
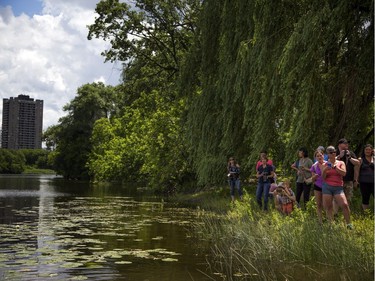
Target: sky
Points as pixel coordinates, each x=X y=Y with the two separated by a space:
x=46 y=55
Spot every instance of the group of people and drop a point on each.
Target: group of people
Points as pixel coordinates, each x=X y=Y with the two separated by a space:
x=333 y=173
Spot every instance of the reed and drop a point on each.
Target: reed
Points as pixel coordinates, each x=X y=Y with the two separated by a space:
x=249 y=244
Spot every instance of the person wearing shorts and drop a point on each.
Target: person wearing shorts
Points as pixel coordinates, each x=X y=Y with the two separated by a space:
x=316 y=170
x=333 y=172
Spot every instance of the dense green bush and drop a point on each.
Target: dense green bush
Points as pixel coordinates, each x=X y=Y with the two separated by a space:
x=11 y=161
x=36 y=157
x=15 y=161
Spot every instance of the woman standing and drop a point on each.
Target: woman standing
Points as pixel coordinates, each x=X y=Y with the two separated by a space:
x=302 y=166
x=366 y=175
x=264 y=174
x=262 y=155
x=234 y=177
x=333 y=172
x=318 y=182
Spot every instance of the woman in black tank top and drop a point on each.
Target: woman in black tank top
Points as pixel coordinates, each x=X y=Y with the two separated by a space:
x=366 y=175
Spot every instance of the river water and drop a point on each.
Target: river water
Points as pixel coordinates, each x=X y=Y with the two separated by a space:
x=53 y=229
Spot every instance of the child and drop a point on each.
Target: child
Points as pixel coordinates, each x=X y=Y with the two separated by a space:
x=284 y=198
x=273 y=185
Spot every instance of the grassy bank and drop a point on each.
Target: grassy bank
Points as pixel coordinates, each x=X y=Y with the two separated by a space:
x=33 y=170
x=249 y=244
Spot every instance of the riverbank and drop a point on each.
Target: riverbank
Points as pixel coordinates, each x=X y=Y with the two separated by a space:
x=33 y=170
x=247 y=243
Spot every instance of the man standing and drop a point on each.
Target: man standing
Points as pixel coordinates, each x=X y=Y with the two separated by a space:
x=352 y=163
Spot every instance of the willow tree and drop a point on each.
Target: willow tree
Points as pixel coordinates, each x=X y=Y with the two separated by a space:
x=327 y=64
x=236 y=112
x=204 y=108
x=277 y=76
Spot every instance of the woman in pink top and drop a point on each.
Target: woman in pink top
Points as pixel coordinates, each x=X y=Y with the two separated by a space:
x=333 y=172
x=263 y=154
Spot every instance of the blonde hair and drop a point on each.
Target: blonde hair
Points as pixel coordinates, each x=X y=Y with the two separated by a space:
x=287 y=183
x=318 y=151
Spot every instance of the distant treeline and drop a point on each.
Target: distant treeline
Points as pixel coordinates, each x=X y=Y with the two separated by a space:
x=16 y=161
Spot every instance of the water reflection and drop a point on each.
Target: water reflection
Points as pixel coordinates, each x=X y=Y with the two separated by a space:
x=44 y=235
x=60 y=230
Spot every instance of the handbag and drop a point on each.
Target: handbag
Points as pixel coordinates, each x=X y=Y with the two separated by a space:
x=309 y=181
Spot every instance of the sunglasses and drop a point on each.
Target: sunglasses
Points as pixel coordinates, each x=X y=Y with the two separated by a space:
x=332 y=152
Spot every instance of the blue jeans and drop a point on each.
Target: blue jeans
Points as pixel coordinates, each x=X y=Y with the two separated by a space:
x=235 y=184
x=263 y=188
x=332 y=190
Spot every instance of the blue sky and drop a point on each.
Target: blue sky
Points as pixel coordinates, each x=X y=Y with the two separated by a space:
x=29 y=7
x=45 y=52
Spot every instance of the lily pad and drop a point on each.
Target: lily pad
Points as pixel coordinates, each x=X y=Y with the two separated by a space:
x=123 y=262
x=169 y=259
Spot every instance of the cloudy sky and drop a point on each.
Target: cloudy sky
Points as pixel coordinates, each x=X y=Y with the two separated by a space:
x=45 y=52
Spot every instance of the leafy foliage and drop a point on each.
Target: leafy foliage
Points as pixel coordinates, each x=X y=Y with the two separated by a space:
x=11 y=161
x=72 y=135
x=144 y=141
x=16 y=161
x=277 y=76
x=156 y=32
x=144 y=144
x=204 y=80
x=36 y=157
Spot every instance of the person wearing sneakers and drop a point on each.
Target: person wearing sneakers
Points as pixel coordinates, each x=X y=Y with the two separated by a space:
x=333 y=172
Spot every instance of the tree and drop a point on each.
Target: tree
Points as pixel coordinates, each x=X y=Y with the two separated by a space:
x=238 y=77
x=11 y=161
x=72 y=134
x=277 y=76
x=36 y=157
x=151 y=39
x=50 y=137
x=155 y=32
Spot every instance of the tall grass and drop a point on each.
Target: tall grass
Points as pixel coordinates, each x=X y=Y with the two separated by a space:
x=249 y=244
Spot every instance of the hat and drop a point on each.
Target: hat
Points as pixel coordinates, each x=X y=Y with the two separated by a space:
x=343 y=141
x=320 y=148
x=273 y=187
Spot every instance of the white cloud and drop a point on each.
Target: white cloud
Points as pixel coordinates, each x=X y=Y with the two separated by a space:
x=48 y=56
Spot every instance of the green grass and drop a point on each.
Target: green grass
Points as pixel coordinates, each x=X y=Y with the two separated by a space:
x=249 y=244
x=33 y=170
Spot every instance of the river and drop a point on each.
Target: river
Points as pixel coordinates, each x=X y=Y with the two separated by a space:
x=53 y=229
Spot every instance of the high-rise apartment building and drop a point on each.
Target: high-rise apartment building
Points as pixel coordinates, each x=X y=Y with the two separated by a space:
x=22 y=123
